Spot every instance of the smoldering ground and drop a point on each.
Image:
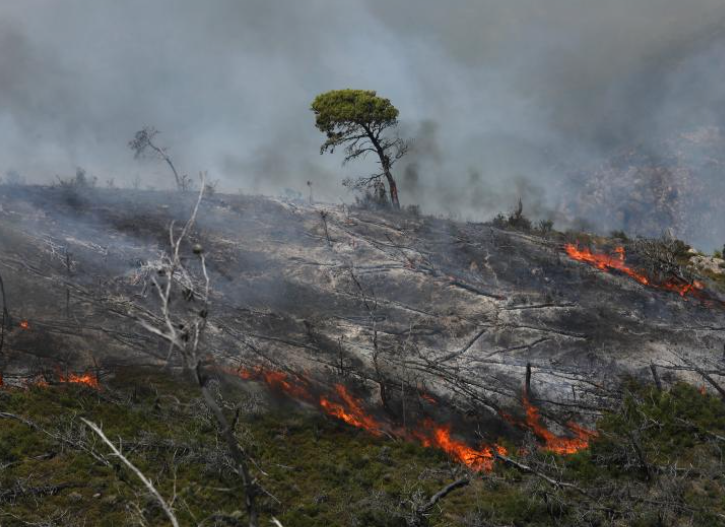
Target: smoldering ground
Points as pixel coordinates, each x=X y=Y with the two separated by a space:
x=516 y=91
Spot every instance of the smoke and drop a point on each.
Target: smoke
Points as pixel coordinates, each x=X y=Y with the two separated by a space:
x=495 y=94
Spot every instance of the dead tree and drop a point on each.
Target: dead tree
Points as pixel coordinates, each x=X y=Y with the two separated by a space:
x=664 y=258
x=143 y=141
x=182 y=328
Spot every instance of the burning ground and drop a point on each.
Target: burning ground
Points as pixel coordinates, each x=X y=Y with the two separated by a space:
x=473 y=341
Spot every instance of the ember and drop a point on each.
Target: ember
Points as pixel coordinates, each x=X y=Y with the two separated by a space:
x=24 y=324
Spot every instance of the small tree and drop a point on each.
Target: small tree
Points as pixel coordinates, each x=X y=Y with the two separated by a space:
x=143 y=141
x=357 y=120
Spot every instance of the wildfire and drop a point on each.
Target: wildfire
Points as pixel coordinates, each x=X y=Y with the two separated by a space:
x=341 y=404
x=439 y=436
x=87 y=379
x=553 y=442
x=607 y=262
x=42 y=381
x=344 y=406
x=350 y=411
x=277 y=380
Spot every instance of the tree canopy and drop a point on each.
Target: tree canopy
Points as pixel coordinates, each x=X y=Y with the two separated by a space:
x=357 y=119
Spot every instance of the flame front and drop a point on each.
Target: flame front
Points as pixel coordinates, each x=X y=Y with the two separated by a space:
x=87 y=379
x=341 y=404
x=350 y=411
x=439 y=436
x=553 y=442
x=607 y=262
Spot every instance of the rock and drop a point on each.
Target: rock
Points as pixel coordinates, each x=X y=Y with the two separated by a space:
x=709 y=264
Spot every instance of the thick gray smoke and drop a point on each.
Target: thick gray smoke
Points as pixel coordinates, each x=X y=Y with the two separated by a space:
x=501 y=96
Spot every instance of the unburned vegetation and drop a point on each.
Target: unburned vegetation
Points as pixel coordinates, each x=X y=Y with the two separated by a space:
x=657 y=460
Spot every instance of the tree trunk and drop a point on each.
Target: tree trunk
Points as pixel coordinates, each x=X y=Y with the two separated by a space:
x=238 y=456
x=393 y=189
x=385 y=164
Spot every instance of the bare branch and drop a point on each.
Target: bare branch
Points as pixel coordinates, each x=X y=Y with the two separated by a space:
x=147 y=483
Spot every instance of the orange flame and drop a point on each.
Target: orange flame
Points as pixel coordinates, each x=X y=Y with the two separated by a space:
x=39 y=381
x=439 y=436
x=86 y=379
x=275 y=379
x=24 y=324
x=280 y=380
x=344 y=406
x=553 y=442
x=607 y=262
x=350 y=411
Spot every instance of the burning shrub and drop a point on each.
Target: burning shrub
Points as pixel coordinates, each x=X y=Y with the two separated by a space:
x=651 y=444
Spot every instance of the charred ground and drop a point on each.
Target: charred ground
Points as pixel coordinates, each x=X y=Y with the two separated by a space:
x=400 y=308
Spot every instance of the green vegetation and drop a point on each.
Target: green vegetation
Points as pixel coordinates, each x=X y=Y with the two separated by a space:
x=657 y=462
x=518 y=221
x=359 y=121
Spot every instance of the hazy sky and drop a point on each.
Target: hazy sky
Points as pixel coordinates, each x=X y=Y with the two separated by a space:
x=496 y=92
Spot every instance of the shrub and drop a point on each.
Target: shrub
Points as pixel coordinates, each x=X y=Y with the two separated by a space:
x=544 y=227
x=664 y=258
x=80 y=181
x=518 y=221
x=620 y=235
x=373 y=197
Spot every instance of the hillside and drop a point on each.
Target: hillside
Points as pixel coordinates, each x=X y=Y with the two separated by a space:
x=470 y=339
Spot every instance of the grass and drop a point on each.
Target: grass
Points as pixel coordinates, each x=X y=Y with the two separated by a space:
x=320 y=471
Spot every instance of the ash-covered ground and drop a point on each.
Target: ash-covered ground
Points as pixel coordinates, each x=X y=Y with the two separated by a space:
x=398 y=305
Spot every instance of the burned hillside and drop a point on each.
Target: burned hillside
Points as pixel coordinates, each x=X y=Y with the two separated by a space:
x=385 y=300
